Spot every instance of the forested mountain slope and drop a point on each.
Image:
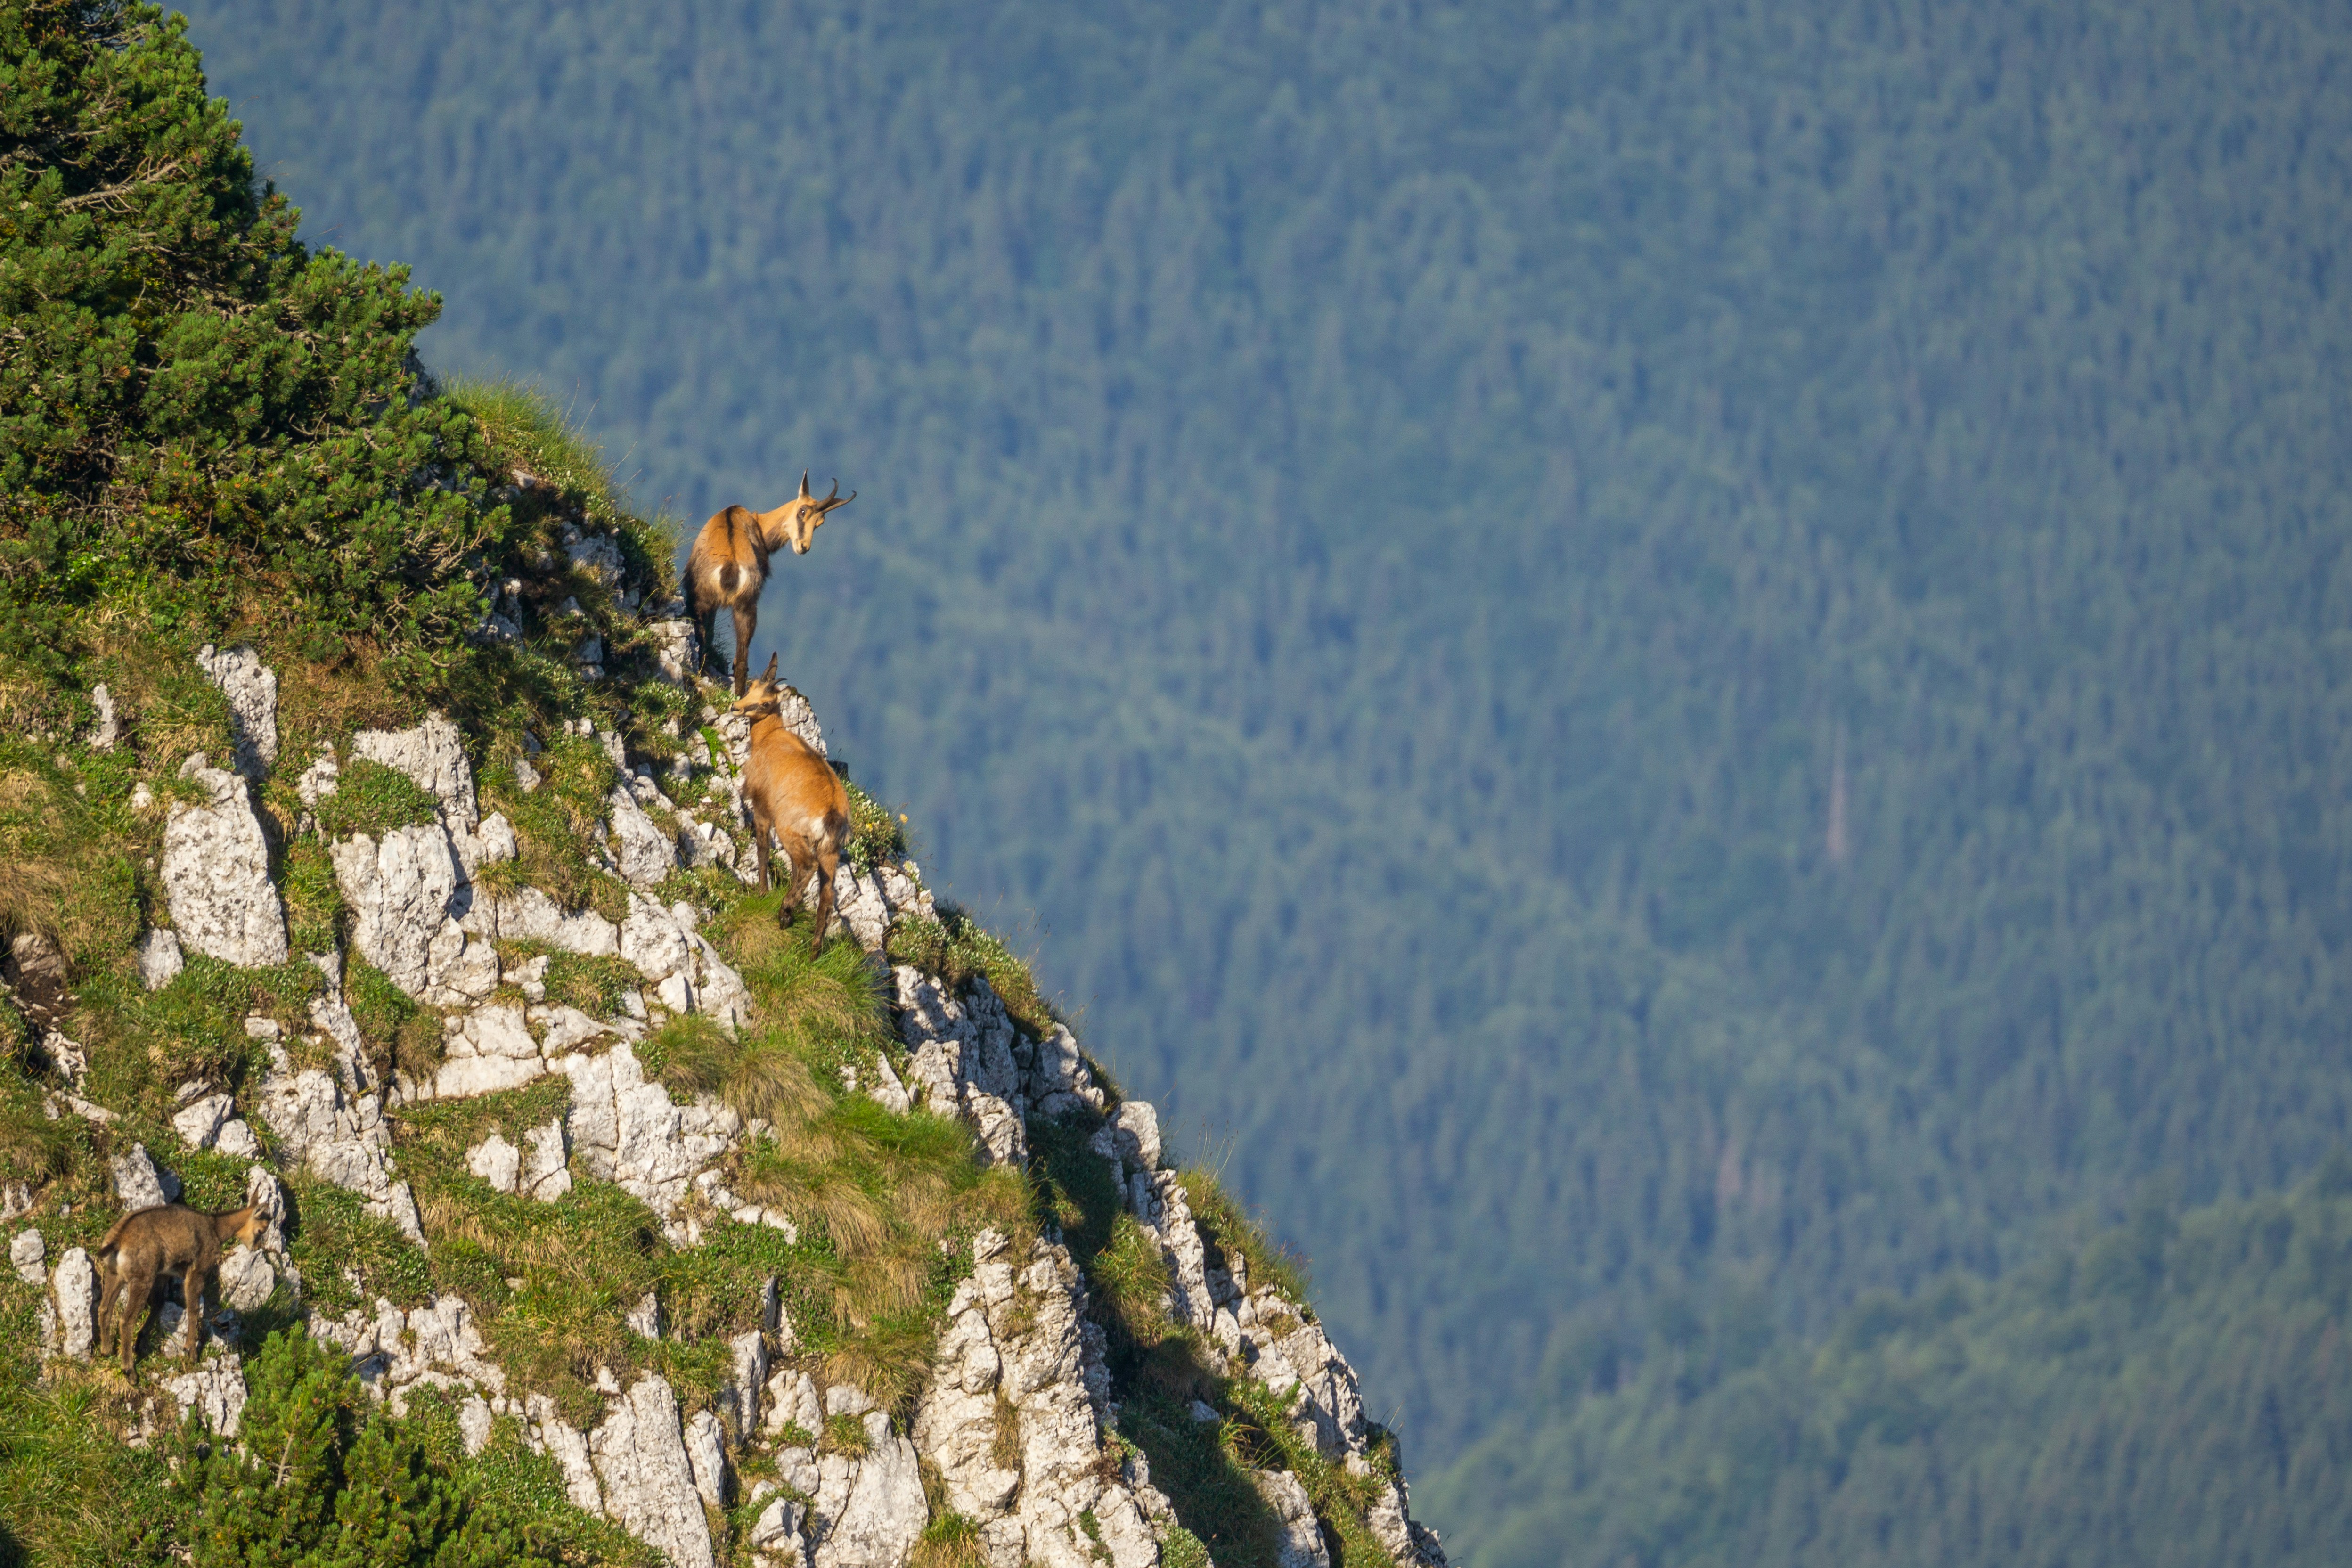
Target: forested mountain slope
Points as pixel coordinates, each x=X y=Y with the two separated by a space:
x=1467 y=496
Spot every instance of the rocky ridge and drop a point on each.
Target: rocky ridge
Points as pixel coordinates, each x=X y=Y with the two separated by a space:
x=1018 y=1419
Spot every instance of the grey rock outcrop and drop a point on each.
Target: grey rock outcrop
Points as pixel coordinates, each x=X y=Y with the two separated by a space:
x=216 y=870
x=1014 y=1349
x=199 y=1121
x=73 y=1290
x=1300 y=1544
x=331 y=1118
x=251 y=688
x=433 y=754
x=213 y=1393
x=27 y=1254
x=436 y=1345
x=496 y=1161
x=648 y=1481
x=405 y=891
x=867 y=1510
x=645 y=852
x=141 y=1184
x=627 y=1130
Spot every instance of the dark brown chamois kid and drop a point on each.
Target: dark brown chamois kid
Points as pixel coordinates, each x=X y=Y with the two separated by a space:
x=794 y=795
x=145 y=1248
x=729 y=564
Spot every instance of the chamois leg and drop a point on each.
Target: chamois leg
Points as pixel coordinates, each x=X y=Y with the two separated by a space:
x=760 y=839
x=747 y=621
x=138 y=1299
x=192 y=1298
x=706 y=626
x=827 y=864
x=109 y=1298
x=796 y=850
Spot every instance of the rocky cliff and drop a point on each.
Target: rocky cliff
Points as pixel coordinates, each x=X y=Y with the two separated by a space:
x=764 y=1256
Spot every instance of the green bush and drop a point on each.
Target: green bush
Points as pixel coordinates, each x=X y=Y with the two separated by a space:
x=318 y=1480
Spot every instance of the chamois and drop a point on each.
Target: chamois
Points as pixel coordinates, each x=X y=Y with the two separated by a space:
x=145 y=1247
x=729 y=564
x=795 y=794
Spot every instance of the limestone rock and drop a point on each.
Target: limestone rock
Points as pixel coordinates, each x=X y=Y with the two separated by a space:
x=547 y=1432
x=160 y=960
x=251 y=688
x=545 y=1176
x=199 y=1122
x=474 y=1418
x=645 y=852
x=141 y=1184
x=792 y=1401
x=320 y=780
x=214 y=1393
x=434 y=754
x=1016 y=1336
x=106 y=733
x=435 y=1345
x=26 y=1255
x=529 y=915
x=486 y=1051
x=1330 y=1408
x=739 y=1397
x=246 y=1279
x=496 y=1161
x=706 y=1457
x=216 y=870
x=1300 y=1544
x=333 y=1123
x=648 y=1481
x=405 y=892
x=627 y=1130
x=74 y=1288
x=961 y=1055
x=1131 y=1136
x=1157 y=1198
x=868 y=1511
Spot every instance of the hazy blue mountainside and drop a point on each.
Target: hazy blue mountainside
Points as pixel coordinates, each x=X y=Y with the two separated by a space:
x=1382 y=528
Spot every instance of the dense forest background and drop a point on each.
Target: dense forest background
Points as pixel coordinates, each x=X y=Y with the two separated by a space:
x=1684 y=668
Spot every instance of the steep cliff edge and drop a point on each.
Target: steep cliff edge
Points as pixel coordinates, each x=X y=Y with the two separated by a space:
x=909 y=1263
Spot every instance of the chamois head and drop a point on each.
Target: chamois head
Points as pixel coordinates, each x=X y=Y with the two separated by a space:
x=765 y=695
x=798 y=519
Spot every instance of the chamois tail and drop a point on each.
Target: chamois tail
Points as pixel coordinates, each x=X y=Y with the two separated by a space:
x=729 y=575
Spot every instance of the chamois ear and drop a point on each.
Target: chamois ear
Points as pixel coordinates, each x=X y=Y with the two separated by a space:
x=804 y=489
x=769 y=674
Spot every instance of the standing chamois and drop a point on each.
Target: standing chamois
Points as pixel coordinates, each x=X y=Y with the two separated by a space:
x=145 y=1248
x=729 y=564
x=795 y=794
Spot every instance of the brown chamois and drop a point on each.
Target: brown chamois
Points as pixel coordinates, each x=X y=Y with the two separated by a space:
x=729 y=564
x=794 y=795
x=144 y=1248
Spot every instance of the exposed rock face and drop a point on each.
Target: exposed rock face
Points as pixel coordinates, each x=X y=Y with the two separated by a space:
x=649 y=1482
x=25 y=1254
x=434 y=754
x=1015 y=1350
x=867 y=1510
x=140 y=1185
x=624 y=1130
x=74 y=1290
x=332 y=1121
x=251 y=688
x=215 y=869
x=405 y=892
x=645 y=852
x=435 y=1345
x=213 y=1393
x=1302 y=1542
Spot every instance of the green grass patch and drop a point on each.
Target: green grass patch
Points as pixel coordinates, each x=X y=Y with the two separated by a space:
x=556 y=826
x=1232 y=1232
x=347 y=1255
x=314 y=903
x=373 y=799
x=877 y=833
x=400 y=1032
x=955 y=948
